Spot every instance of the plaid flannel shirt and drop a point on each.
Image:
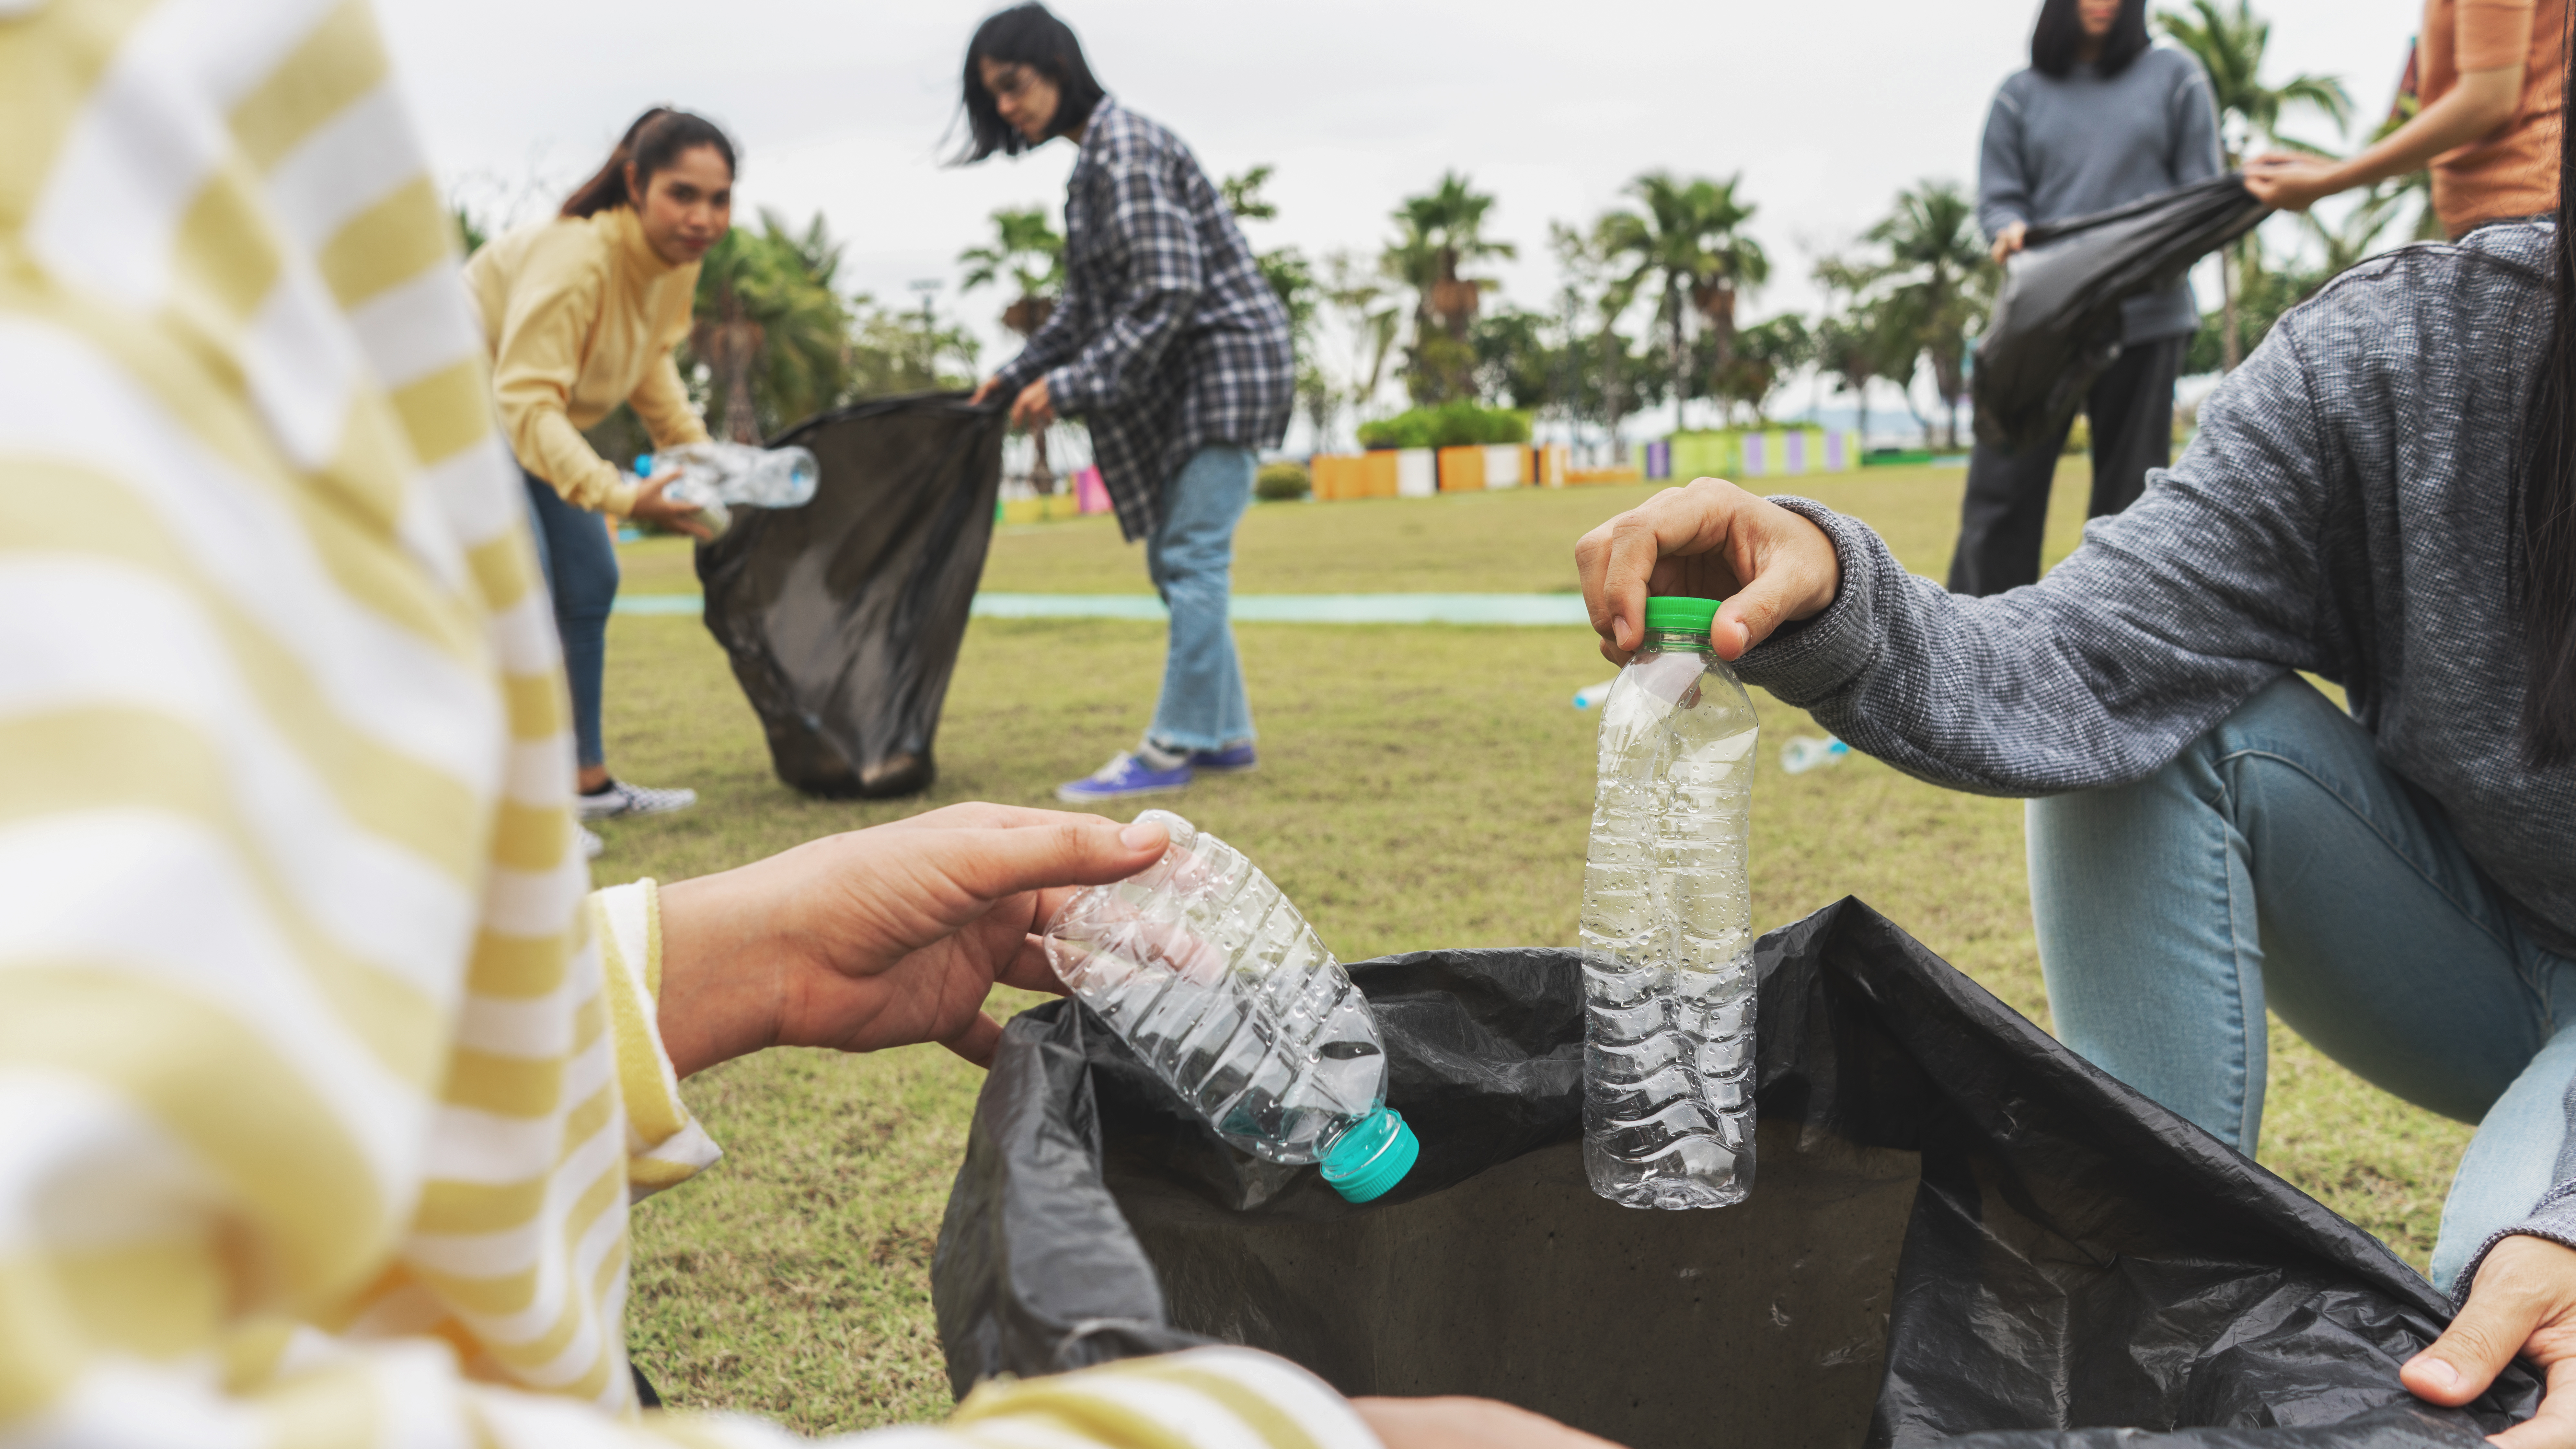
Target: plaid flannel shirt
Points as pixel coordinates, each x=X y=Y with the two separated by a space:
x=1167 y=337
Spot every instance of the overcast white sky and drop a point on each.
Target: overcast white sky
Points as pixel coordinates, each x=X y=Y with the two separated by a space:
x=843 y=108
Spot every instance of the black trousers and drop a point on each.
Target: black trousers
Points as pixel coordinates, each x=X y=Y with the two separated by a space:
x=2131 y=410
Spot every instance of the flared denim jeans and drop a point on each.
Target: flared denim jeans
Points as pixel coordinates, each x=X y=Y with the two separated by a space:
x=1191 y=558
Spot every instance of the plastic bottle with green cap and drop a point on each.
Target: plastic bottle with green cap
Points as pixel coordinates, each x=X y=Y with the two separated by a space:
x=1205 y=970
x=1667 y=926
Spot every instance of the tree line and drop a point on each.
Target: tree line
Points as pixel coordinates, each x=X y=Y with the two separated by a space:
x=1647 y=310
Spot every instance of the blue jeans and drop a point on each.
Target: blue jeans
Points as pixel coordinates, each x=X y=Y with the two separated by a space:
x=1190 y=555
x=2275 y=860
x=580 y=563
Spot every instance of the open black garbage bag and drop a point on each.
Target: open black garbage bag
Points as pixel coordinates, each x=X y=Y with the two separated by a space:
x=1957 y=1227
x=2057 y=321
x=843 y=617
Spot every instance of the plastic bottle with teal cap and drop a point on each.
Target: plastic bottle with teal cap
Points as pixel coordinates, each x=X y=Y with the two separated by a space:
x=1204 y=968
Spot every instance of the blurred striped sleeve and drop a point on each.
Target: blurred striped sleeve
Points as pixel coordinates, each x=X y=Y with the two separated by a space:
x=322 y=1091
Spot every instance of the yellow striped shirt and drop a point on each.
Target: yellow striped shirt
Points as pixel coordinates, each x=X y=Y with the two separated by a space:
x=322 y=1091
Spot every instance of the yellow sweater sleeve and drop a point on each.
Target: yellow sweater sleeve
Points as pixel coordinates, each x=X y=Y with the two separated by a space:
x=552 y=310
x=664 y=1144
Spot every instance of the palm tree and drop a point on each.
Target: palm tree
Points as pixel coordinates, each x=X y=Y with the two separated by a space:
x=770 y=327
x=1029 y=251
x=1690 y=244
x=1442 y=230
x=1942 y=281
x=2229 y=44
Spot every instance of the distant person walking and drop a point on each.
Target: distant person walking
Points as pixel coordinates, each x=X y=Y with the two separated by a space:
x=1174 y=349
x=581 y=313
x=2491 y=77
x=2100 y=119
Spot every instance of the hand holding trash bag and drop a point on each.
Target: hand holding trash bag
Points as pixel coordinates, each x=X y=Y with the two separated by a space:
x=1033 y=408
x=2524 y=1302
x=882 y=937
x=1711 y=540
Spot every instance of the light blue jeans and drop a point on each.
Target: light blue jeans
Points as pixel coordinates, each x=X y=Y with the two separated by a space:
x=1191 y=558
x=2275 y=860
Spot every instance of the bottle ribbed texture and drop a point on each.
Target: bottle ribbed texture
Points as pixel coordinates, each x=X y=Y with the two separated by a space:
x=1203 y=967
x=1667 y=936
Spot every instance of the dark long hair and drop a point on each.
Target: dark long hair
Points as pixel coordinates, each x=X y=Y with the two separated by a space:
x=2542 y=565
x=1028 y=35
x=2058 y=37
x=659 y=137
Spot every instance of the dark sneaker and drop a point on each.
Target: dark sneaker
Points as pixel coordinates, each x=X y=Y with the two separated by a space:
x=1121 y=778
x=617 y=800
x=1232 y=760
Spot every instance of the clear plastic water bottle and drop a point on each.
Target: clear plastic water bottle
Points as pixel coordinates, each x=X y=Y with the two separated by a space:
x=1205 y=970
x=1801 y=753
x=1668 y=927
x=716 y=478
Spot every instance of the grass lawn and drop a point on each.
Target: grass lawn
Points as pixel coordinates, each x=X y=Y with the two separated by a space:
x=1421 y=786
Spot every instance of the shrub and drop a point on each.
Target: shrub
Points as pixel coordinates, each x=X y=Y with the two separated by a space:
x=1282 y=482
x=1450 y=425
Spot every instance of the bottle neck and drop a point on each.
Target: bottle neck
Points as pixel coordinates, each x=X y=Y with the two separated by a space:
x=1672 y=639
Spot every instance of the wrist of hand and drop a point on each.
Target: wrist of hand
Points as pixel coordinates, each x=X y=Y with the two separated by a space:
x=725 y=949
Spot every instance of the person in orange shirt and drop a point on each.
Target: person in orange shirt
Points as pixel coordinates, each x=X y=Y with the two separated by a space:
x=2492 y=76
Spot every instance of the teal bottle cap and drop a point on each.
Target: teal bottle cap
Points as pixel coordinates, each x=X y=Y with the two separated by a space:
x=1679 y=611
x=1372 y=1157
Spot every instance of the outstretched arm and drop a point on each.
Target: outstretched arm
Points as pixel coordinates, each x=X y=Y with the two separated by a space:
x=2167 y=618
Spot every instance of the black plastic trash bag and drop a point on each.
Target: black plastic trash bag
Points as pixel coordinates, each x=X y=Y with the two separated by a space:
x=2057 y=321
x=1956 y=1227
x=843 y=617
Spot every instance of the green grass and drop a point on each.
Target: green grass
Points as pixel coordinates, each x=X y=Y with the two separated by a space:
x=1420 y=787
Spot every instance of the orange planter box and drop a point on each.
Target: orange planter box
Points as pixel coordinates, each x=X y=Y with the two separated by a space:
x=1462 y=470
x=1340 y=476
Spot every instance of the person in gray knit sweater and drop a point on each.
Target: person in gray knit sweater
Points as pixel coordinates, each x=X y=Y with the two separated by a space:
x=2208 y=833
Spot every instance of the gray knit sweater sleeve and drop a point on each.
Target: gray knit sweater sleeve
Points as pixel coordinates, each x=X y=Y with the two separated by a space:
x=2554 y=1218
x=2003 y=183
x=2169 y=617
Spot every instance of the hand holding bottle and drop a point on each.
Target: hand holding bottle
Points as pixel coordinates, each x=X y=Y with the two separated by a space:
x=1709 y=540
x=654 y=507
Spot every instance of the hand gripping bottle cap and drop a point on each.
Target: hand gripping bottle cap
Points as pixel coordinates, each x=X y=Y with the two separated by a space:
x=1372 y=1157
x=1679 y=611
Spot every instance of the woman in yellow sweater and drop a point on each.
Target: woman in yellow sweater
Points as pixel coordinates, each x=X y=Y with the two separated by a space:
x=580 y=314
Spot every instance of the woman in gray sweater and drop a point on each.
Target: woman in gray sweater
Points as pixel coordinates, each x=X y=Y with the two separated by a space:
x=2099 y=120
x=2384 y=496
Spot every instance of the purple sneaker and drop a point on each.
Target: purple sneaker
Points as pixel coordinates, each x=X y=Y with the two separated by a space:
x=1232 y=760
x=1123 y=776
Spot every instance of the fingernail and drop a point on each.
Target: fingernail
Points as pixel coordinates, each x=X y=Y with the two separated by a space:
x=2438 y=1370
x=1142 y=834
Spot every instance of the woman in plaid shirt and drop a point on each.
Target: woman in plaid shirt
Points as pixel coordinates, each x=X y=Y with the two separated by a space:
x=1169 y=343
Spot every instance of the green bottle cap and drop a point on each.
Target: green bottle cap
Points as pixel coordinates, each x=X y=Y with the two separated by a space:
x=1372 y=1156
x=1679 y=611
